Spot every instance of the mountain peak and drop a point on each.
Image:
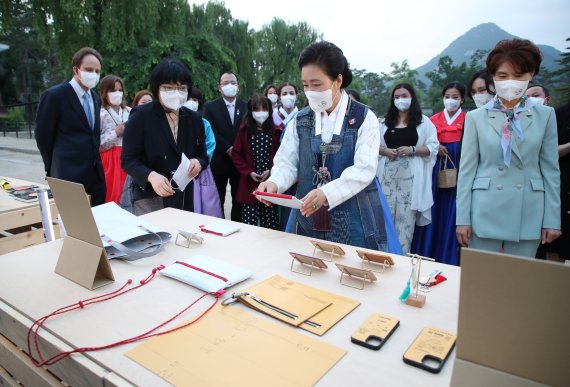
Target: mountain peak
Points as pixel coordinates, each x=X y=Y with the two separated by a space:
x=482 y=37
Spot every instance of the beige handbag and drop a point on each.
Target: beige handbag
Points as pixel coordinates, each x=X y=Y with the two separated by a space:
x=447 y=177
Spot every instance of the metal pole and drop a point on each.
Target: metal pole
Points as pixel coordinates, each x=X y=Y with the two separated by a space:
x=45 y=210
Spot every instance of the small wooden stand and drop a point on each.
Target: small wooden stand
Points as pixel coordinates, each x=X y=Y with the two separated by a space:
x=305 y=260
x=82 y=259
x=415 y=299
x=355 y=272
x=373 y=260
x=329 y=248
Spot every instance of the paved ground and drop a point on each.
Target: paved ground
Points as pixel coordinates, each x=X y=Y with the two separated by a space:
x=20 y=158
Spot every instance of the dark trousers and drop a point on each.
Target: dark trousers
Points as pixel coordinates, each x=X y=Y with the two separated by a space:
x=97 y=193
x=93 y=184
x=221 y=179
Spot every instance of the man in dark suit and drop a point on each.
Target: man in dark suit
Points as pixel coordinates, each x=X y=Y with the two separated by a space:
x=226 y=114
x=68 y=128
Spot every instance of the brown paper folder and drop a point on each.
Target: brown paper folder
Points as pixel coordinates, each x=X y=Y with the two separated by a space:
x=513 y=321
x=233 y=347
x=289 y=296
x=321 y=310
x=82 y=258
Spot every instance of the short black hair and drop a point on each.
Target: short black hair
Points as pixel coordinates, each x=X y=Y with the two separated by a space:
x=546 y=91
x=454 y=85
x=228 y=72
x=485 y=76
x=82 y=53
x=329 y=58
x=415 y=115
x=195 y=93
x=169 y=71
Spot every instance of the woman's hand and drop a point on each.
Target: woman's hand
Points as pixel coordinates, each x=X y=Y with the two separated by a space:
x=404 y=151
x=463 y=235
x=269 y=187
x=160 y=184
x=255 y=177
x=120 y=129
x=314 y=200
x=442 y=151
x=549 y=234
x=194 y=168
x=390 y=153
x=265 y=175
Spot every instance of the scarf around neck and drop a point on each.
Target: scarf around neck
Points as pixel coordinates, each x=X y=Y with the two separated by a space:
x=512 y=123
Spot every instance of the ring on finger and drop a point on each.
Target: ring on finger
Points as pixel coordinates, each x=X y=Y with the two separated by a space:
x=315 y=205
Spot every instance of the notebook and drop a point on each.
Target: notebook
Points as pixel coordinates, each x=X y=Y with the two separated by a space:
x=206 y=273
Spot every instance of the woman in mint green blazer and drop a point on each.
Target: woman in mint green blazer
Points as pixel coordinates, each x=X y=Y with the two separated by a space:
x=508 y=190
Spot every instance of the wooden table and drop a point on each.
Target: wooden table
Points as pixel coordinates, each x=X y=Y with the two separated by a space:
x=20 y=222
x=30 y=289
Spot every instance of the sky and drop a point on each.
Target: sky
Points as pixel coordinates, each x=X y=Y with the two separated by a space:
x=375 y=33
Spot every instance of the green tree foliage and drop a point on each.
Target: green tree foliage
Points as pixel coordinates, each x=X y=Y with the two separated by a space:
x=44 y=34
x=402 y=73
x=231 y=47
x=563 y=90
x=374 y=90
x=278 y=45
x=26 y=63
x=446 y=72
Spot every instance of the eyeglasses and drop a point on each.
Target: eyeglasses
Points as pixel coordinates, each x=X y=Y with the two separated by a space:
x=183 y=89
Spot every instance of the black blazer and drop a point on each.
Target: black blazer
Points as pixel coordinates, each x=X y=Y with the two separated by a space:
x=216 y=112
x=69 y=148
x=148 y=145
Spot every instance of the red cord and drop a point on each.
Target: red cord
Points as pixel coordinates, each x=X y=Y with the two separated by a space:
x=39 y=323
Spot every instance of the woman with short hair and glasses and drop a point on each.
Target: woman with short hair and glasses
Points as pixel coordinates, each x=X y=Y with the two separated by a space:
x=158 y=135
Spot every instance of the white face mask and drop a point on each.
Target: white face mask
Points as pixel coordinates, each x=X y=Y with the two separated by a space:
x=192 y=105
x=482 y=99
x=173 y=99
x=89 y=80
x=273 y=98
x=260 y=117
x=320 y=101
x=403 y=104
x=115 y=97
x=537 y=100
x=288 y=101
x=511 y=89
x=451 y=104
x=230 y=90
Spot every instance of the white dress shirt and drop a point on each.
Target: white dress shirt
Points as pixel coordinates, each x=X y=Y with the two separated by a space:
x=79 y=91
x=231 y=108
x=354 y=178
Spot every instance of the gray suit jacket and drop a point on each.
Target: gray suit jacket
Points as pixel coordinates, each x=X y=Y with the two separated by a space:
x=512 y=203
